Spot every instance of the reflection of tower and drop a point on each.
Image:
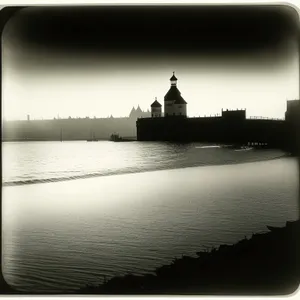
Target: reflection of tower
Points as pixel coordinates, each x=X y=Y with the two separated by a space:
x=155 y=109
x=175 y=105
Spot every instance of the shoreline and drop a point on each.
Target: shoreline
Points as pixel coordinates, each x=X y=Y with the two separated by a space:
x=125 y=172
x=265 y=264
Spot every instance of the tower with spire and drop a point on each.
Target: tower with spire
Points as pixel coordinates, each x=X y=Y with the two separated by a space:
x=174 y=104
x=132 y=113
x=138 y=111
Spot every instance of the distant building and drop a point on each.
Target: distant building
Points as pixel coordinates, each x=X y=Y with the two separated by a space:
x=156 y=109
x=292 y=119
x=292 y=109
x=138 y=113
x=238 y=115
x=28 y=117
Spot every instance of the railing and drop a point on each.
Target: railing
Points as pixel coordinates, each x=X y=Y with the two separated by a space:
x=220 y=115
x=238 y=109
x=265 y=118
x=206 y=116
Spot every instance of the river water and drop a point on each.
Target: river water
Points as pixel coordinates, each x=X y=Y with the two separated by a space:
x=74 y=212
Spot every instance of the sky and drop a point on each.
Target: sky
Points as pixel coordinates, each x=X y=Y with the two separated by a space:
x=103 y=61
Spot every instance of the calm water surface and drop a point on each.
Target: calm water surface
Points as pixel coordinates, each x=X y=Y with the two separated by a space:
x=35 y=162
x=66 y=224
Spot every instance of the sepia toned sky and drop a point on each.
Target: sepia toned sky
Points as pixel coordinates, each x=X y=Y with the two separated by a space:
x=102 y=61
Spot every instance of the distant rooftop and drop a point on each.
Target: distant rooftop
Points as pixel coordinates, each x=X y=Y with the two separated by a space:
x=155 y=104
x=174 y=94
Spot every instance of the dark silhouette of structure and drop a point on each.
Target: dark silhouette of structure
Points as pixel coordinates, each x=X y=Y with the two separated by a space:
x=292 y=125
x=231 y=127
x=175 y=105
x=156 y=109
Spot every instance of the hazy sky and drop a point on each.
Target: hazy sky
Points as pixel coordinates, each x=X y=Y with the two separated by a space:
x=83 y=62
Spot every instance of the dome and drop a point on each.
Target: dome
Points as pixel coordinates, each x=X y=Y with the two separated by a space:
x=174 y=95
x=155 y=104
x=173 y=77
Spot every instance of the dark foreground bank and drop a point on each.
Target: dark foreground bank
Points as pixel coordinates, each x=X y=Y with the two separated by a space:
x=265 y=264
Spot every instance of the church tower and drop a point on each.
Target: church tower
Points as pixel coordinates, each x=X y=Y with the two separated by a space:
x=174 y=104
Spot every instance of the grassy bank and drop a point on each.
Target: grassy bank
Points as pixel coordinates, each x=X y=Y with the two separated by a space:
x=265 y=264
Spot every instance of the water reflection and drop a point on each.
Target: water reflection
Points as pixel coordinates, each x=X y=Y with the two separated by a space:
x=37 y=161
x=60 y=236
